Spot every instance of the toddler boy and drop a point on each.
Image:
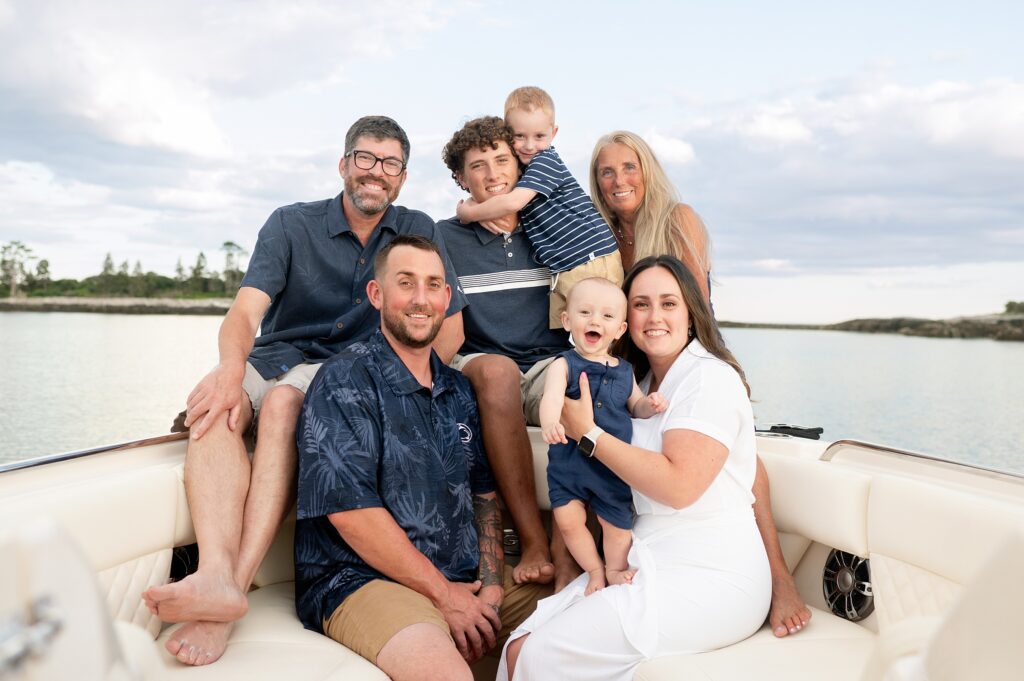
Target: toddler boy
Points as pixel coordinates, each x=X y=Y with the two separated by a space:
x=568 y=235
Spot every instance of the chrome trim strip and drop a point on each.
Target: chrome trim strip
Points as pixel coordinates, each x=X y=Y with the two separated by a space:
x=892 y=451
x=68 y=456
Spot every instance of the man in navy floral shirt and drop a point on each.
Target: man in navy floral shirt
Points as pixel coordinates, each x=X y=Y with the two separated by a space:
x=398 y=542
x=305 y=289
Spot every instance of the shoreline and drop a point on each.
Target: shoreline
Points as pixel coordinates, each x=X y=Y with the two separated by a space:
x=190 y=306
x=1004 y=327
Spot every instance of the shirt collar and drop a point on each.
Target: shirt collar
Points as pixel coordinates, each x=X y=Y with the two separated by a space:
x=337 y=223
x=696 y=348
x=399 y=378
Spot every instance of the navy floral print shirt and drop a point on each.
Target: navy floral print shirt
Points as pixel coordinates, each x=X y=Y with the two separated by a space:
x=370 y=436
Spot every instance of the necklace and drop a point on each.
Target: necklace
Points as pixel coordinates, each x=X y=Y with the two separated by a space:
x=622 y=236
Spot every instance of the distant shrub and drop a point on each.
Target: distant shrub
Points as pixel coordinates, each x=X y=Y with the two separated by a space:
x=1015 y=307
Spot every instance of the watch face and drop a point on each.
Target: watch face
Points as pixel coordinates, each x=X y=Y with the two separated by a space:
x=587 y=445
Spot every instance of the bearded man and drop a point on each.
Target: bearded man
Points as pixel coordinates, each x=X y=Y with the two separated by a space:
x=305 y=288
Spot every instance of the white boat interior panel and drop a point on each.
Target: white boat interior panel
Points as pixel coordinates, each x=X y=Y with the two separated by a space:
x=929 y=528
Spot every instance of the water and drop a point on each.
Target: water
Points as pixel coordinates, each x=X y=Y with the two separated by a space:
x=73 y=381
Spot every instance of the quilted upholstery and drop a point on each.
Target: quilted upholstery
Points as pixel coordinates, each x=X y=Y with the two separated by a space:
x=903 y=591
x=124 y=584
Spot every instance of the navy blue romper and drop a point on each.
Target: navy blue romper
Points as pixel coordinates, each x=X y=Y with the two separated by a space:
x=574 y=475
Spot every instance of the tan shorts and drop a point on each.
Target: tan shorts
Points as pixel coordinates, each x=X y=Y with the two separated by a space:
x=531 y=384
x=257 y=387
x=370 y=617
x=607 y=266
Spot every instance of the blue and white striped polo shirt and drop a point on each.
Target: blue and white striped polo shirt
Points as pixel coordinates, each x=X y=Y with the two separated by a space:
x=561 y=222
x=506 y=291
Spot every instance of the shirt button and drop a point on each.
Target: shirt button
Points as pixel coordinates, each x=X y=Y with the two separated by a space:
x=358 y=301
x=340 y=325
x=362 y=261
x=510 y=255
x=605 y=381
x=599 y=405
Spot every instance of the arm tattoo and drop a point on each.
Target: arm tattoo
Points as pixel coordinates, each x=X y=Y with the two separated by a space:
x=488 y=529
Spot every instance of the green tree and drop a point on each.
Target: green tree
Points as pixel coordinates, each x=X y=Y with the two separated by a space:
x=199 y=269
x=108 y=266
x=233 y=253
x=43 y=272
x=137 y=283
x=123 y=269
x=13 y=258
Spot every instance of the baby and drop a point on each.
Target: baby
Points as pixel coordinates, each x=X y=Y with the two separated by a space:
x=595 y=315
x=567 y=233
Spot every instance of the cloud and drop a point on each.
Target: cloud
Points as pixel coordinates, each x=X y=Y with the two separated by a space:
x=159 y=75
x=670 y=149
x=855 y=174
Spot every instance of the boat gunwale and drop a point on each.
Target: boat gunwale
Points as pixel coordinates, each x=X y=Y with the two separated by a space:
x=833 y=448
x=78 y=454
x=827 y=455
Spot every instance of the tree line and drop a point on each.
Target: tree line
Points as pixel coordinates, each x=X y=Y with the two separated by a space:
x=23 y=274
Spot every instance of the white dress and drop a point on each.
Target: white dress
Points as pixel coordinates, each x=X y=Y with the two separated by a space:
x=703 y=580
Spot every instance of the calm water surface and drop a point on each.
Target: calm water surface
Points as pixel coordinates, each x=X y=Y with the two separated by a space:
x=72 y=381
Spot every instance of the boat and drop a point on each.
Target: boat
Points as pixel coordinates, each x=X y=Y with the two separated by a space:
x=911 y=565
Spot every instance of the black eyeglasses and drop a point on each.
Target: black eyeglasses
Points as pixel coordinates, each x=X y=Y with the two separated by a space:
x=364 y=160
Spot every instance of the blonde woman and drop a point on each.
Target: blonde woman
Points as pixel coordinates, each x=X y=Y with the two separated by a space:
x=634 y=196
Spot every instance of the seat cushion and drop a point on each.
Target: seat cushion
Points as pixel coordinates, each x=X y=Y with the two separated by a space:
x=270 y=643
x=829 y=647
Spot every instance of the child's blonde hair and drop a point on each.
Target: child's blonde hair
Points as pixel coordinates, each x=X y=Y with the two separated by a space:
x=529 y=98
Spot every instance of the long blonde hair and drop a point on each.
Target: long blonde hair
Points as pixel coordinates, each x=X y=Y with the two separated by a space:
x=658 y=229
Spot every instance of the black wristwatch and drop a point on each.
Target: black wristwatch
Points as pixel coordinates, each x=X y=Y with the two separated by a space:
x=588 y=443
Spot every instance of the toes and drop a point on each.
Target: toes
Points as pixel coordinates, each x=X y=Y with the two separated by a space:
x=173 y=645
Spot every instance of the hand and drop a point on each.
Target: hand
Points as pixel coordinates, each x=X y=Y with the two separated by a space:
x=219 y=391
x=656 y=402
x=495 y=227
x=554 y=433
x=463 y=212
x=506 y=224
x=474 y=623
x=578 y=415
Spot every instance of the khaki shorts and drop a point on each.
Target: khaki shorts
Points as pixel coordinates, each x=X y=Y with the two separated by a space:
x=370 y=617
x=257 y=387
x=531 y=384
x=607 y=266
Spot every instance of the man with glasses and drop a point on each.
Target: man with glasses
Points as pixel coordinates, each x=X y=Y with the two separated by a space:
x=306 y=282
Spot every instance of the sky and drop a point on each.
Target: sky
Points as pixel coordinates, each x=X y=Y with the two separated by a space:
x=849 y=160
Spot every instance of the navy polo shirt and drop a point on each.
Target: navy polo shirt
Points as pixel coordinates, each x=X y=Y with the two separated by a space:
x=315 y=270
x=370 y=436
x=506 y=291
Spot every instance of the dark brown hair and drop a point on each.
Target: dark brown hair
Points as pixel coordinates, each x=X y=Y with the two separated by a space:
x=480 y=133
x=702 y=321
x=415 y=240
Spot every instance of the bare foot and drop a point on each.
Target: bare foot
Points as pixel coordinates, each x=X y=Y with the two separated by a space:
x=789 y=614
x=595 y=582
x=197 y=597
x=199 y=643
x=534 y=566
x=619 y=576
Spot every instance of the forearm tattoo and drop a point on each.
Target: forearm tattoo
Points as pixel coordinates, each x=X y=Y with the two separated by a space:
x=488 y=529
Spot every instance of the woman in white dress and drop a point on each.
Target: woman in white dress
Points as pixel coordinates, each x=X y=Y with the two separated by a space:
x=703 y=579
